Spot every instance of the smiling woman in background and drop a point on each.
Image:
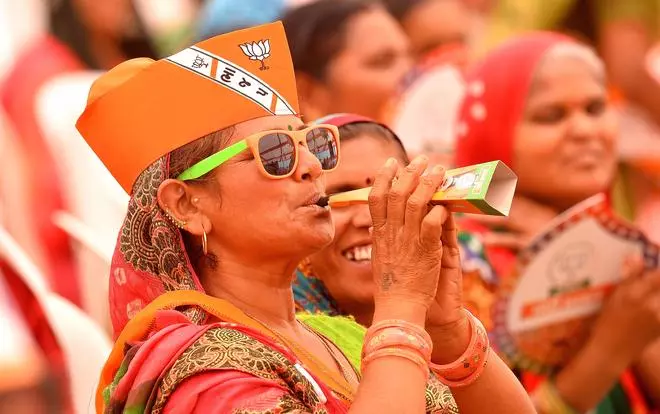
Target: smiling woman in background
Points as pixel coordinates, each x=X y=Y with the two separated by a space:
x=338 y=280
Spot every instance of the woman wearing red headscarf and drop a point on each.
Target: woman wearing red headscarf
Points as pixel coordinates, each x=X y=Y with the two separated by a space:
x=539 y=103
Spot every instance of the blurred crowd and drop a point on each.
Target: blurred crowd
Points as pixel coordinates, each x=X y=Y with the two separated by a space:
x=404 y=63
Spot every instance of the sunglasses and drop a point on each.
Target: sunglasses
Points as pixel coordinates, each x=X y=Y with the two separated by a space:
x=277 y=152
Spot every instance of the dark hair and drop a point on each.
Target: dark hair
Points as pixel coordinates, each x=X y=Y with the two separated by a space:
x=188 y=155
x=316 y=32
x=399 y=9
x=69 y=28
x=352 y=131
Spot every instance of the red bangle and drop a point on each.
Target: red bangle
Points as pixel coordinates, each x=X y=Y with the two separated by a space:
x=469 y=366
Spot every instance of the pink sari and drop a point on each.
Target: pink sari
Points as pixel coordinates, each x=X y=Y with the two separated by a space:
x=214 y=368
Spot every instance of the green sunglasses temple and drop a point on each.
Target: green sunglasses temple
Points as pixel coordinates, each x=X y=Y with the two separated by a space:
x=214 y=161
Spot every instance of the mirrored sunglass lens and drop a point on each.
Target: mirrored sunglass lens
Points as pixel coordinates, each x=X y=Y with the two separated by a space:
x=277 y=153
x=323 y=145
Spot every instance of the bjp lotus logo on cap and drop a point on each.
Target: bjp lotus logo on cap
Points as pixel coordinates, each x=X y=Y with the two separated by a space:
x=257 y=51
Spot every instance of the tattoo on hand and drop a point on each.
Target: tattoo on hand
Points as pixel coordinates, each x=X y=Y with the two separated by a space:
x=388 y=280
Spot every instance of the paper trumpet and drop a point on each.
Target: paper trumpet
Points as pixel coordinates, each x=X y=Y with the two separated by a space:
x=478 y=189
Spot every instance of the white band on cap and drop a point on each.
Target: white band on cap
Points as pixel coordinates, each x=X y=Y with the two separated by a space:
x=234 y=77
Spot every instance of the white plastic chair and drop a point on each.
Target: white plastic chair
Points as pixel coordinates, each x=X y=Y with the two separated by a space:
x=96 y=202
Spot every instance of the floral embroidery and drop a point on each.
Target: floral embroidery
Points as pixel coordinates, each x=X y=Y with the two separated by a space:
x=439 y=399
x=223 y=348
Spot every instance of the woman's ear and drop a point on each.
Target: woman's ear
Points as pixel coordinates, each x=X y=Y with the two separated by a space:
x=181 y=202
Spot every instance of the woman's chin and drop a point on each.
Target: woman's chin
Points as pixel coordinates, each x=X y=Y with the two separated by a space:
x=583 y=192
x=588 y=183
x=319 y=236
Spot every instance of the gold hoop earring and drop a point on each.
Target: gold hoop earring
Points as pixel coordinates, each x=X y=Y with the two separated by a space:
x=179 y=223
x=205 y=247
x=305 y=267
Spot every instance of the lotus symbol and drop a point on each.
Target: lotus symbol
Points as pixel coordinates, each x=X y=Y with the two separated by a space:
x=257 y=51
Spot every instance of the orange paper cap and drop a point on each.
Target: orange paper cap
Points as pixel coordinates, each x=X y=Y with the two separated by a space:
x=143 y=109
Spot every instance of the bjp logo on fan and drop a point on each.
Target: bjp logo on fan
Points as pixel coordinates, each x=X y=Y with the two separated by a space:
x=257 y=51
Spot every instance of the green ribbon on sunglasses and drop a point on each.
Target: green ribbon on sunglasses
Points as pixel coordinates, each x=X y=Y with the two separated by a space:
x=206 y=165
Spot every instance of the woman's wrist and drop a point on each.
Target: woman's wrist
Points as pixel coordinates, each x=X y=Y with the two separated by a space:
x=408 y=310
x=617 y=356
x=450 y=340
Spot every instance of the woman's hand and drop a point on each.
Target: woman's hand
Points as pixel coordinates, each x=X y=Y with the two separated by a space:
x=647 y=373
x=630 y=319
x=446 y=321
x=627 y=324
x=408 y=258
x=407 y=233
x=406 y=263
x=447 y=307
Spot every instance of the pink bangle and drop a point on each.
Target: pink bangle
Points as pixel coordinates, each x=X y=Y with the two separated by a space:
x=470 y=378
x=400 y=324
x=394 y=337
x=400 y=353
x=469 y=366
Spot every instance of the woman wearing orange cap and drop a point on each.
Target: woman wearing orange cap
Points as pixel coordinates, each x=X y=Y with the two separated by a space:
x=200 y=289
